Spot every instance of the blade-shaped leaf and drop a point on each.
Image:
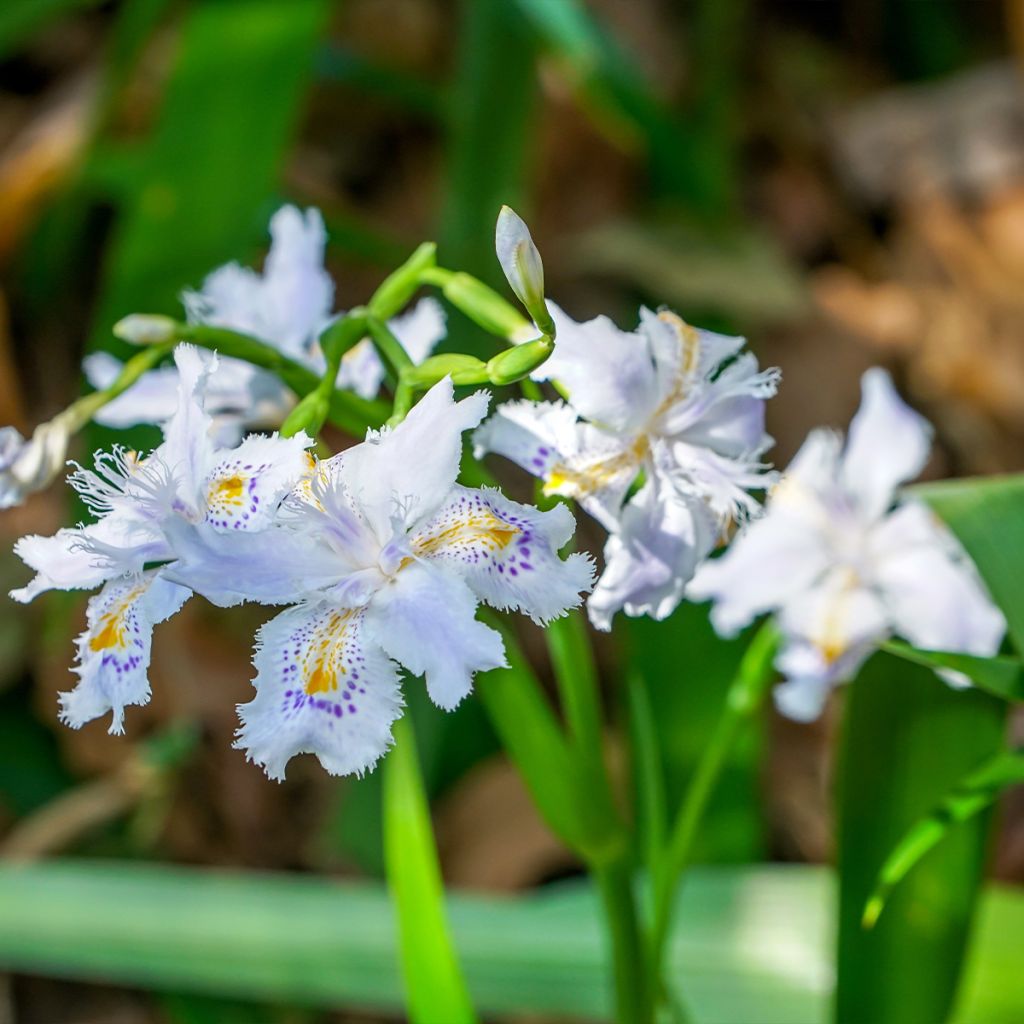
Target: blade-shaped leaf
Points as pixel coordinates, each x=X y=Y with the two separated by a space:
x=907 y=740
x=972 y=795
x=434 y=986
x=1000 y=676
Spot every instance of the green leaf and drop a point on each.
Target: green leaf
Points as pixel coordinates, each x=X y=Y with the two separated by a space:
x=987 y=515
x=434 y=986
x=972 y=795
x=1001 y=676
x=906 y=741
x=756 y=946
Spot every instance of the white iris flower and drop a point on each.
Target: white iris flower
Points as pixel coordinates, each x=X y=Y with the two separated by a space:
x=287 y=306
x=661 y=439
x=841 y=568
x=187 y=489
x=399 y=556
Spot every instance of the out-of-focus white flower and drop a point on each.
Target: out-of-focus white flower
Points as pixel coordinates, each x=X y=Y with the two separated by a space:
x=287 y=307
x=842 y=569
x=27 y=466
x=678 y=411
x=402 y=556
x=187 y=491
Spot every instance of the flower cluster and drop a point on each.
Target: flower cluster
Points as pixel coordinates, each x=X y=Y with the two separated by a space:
x=660 y=439
x=288 y=307
x=382 y=556
x=843 y=569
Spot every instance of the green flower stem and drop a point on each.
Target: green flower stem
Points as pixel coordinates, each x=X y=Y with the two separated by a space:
x=746 y=695
x=81 y=411
x=346 y=410
x=398 y=287
x=388 y=346
x=632 y=995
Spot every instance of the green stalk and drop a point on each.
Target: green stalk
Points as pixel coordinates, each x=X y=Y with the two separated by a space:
x=434 y=986
x=745 y=697
x=81 y=411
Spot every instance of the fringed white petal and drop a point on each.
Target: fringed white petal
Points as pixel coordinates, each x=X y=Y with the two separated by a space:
x=321 y=688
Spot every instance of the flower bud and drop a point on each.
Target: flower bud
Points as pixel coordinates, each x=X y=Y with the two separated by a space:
x=517 y=363
x=27 y=466
x=522 y=265
x=146 y=328
x=486 y=308
x=462 y=369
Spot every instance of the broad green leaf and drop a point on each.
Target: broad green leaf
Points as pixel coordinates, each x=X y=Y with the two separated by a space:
x=972 y=795
x=987 y=515
x=1000 y=676
x=906 y=741
x=434 y=987
x=756 y=946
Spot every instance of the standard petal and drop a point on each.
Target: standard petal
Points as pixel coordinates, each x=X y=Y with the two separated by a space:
x=321 y=688
x=574 y=459
x=507 y=552
x=608 y=373
x=888 y=444
x=425 y=618
x=405 y=473
x=245 y=485
x=113 y=652
x=932 y=590
x=653 y=556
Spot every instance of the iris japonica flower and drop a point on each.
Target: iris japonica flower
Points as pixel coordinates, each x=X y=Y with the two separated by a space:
x=660 y=439
x=398 y=558
x=187 y=490
x=287 y=306
x=843 y=563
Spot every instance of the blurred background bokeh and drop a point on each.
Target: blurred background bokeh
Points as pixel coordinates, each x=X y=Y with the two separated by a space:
x=842 y=182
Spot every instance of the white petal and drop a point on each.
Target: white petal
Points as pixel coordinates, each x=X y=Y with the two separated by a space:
x=405 y=473
x=298 y=290
x=361 y=370
x=321 y=689
x=801 y=698
x=652 y=557
x=273 y=566
x=888 y=444
x=231 y=297
x=933 y=591
x=426 y=620
x=840 y=618
x=609 y=373
x=421 y=329
x=507 y=552
x=771 y=560
x=114 y=650
x=245 y=485
x=574 y=459
x=85 y=557
x=151 y=399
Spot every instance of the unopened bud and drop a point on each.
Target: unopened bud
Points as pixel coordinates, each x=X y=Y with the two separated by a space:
x=486 y=308
x=461 y=368
x=146 y=328
x=515 y=364
x=522 y=265
x=29 y=465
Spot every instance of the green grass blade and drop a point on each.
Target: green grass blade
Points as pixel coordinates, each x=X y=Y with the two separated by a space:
x=907 y=740
x=648 y=778
x=972 y=795
x=435 y=990
x=1001 y=676
x=985 y=514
